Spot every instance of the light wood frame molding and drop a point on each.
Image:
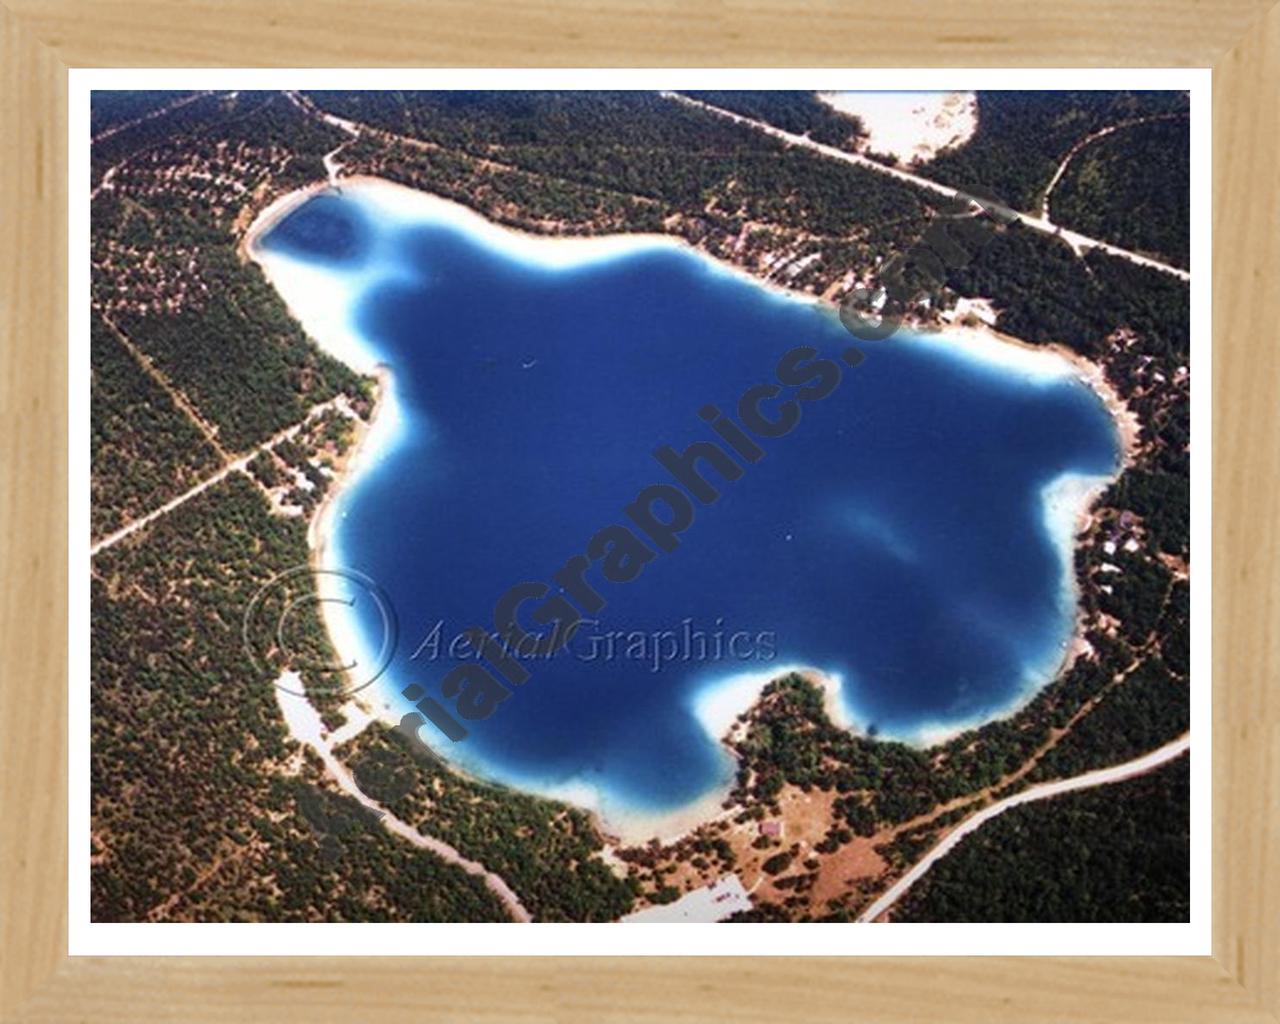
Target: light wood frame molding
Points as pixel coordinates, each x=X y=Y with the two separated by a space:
x=41 y=39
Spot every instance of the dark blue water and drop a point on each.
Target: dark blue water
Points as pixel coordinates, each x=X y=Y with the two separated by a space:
x=895 y=537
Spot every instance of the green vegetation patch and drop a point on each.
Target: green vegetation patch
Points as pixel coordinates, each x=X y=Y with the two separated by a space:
x=1119 y=852
x=1132 y=188
x=1022 y=137
x=202 y=807
x=144 y=449
x=548 y=852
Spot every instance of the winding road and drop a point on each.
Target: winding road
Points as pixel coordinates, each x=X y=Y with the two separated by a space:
x=1100 y=777
x=1089 y=140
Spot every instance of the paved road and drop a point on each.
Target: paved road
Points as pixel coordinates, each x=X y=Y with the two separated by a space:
x=1076 y=240
x=1045 y=791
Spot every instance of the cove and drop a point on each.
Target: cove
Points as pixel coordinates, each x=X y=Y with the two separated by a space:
x=901 y=539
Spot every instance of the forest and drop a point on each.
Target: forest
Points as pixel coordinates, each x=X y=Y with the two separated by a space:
x=167 y=272
x=790 y=740
x=241 y=360
x=132 y=131
x=195 y=814
x=641 y=145
x=1133 y=188
x=1115 y=853
x=547 y=851
x=144 y=450
x=109 y=110
x=801 y=113
x=1022 y=137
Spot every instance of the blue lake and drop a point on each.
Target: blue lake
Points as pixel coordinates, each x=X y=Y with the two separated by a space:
x=896 y=538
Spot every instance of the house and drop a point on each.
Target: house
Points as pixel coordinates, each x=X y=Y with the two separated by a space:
x=771 y=828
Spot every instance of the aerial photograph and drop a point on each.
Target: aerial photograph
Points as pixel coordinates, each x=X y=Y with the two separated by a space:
x=640 y=506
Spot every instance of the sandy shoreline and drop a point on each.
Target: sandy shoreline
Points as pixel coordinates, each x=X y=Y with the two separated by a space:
x=1128 y=427
x=273 y=213
x=1068 y=499
x=403 y=203
x=326 y=320
x=370 y=440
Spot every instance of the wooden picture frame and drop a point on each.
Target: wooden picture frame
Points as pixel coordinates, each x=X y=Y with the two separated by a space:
x=38 y=981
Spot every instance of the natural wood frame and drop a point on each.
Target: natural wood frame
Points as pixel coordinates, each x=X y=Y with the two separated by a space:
x=40 y=39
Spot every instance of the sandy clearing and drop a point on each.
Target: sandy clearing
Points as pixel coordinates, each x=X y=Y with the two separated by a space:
x=912 y=127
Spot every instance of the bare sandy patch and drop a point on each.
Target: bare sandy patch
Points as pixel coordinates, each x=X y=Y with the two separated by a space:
x=856 y=865
x=911 y=127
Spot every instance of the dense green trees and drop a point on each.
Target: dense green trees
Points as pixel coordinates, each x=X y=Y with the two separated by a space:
x=1148 y=710
x=778 y=863
x=111 y=108
x=1023 y=136
x=790 y=740
x=1115 y=853
x=195 y=813
x=1132 y=188
x=143 y=449
x=631 y=144
x=244 y=363
x=547 y=851
x=166 y=265
x=800 y=113
x=1164 y=502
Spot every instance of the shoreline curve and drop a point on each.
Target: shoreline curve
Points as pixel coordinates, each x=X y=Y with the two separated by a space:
x=716 y=707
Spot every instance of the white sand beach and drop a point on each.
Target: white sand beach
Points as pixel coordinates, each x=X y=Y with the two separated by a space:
x=351 y=646
x=1030 y=363
x=910 y=126
x=718 y=706
x=1067 y=499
